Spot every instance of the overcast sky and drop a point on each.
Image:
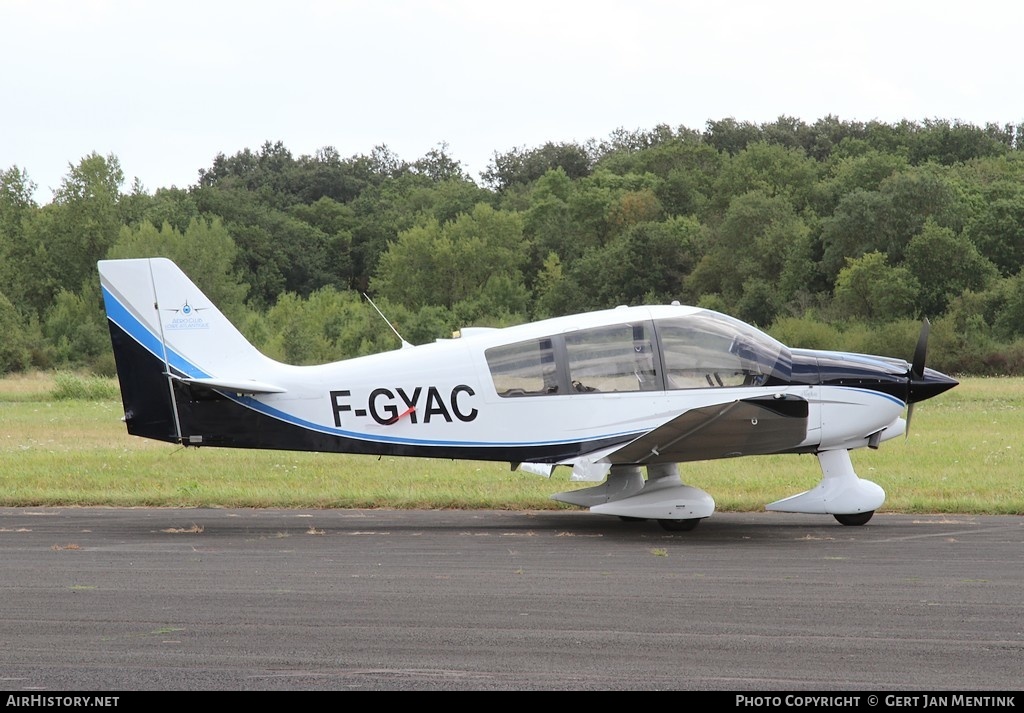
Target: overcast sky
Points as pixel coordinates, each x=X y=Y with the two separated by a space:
x=166 y=86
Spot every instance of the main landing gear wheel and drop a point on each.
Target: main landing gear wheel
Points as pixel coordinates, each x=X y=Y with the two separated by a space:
x=679 y=525
x=854 y=519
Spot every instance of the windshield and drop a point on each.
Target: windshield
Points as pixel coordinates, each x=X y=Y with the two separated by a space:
x=708 y=348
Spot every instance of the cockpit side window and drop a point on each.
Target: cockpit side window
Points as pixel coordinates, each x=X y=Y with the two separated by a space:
x=618 y=357
x=524 y=369
x=696 y=351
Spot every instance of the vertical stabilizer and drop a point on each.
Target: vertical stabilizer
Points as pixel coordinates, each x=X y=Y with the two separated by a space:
x=163 y=329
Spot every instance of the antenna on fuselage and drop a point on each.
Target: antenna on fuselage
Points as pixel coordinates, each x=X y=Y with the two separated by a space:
x=404 y=343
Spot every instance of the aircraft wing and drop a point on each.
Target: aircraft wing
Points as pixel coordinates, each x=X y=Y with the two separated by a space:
x=755 y=426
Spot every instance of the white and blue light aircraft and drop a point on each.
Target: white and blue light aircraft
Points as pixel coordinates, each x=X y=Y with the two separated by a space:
x=612 y=394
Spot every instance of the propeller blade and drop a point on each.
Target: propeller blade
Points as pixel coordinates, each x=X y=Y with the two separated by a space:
x=917 y=366
x=916 y=370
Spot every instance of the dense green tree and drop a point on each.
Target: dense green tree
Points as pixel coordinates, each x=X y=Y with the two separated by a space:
x=759 y=302
x=503 y=300
x=826 y=134
x=730 y=136
x=15 y=351
x=266 y=172
x=32 y=276
x=259 y=193
x=548 y=289
x=855 y=228
x=439 y=167
x=83 y=222
x=915 y=195
x=1008 y=320
x=175 y=206
x=686 y=166
x=590 y=204
x=396 y=204
x=331 y=324
x=950 y=142
x=76 y=328
x=870 y=289
x=848 y=173
x=335 y=222
x=624 y=142
x=634 y=207
x=885 y=220
x=661 y=256
x=889 y=138
x=16 y=208
x=16 y=190
x=806 y=332
x=945 y=265
x=296 y=339
x=548 y=223
x=133 y=205
x=277 y=252
x=598 y=279
x=687 y=170
x=771 y=169
x=524 y=166
x=816 y=140
x=788 y=132
x=761 y=239
x=447 y=200
x=647 y=262
x=445 y=264
x=998 y=227
x=326 y=174
x=984 y=173
x=602 y=205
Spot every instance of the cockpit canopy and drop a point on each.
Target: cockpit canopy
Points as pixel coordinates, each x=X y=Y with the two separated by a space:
x=698 y=349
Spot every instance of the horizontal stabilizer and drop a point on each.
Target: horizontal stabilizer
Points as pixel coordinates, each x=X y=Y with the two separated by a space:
x=238 y=386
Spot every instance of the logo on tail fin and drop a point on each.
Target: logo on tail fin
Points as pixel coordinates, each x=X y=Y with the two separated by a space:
x=187 y=317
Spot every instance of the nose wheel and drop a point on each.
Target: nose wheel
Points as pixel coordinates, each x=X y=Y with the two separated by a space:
x=854 y=519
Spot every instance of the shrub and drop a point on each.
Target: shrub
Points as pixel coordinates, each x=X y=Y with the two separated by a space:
x=67 y=386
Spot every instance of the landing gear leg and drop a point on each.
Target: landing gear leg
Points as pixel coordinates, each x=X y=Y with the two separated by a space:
x=851 y=500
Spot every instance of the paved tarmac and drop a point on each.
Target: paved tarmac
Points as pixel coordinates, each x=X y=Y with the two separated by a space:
x=109 y=599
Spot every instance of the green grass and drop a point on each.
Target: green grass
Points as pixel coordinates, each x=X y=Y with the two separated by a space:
x=964 y=455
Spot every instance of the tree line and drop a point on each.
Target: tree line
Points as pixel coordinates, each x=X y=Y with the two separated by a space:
x=835 y=234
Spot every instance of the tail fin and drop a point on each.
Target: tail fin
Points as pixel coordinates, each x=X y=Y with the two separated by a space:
x=167 y=334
